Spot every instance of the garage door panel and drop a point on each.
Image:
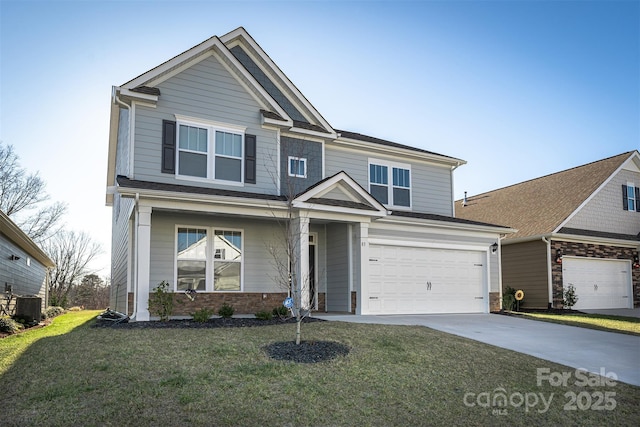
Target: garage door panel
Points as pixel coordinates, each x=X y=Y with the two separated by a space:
x=599 y=283
x=425 y=280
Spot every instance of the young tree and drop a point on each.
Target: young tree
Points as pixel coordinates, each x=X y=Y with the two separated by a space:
x=23 y=197
x=71 y=252
x=289 y=251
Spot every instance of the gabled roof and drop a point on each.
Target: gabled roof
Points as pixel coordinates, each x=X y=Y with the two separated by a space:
x=11 y=230
x=541 y=206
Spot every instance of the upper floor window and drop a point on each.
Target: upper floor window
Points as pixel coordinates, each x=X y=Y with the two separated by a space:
x=630 y=197
x=297 y=167
x=210 y=152
x=390 y=183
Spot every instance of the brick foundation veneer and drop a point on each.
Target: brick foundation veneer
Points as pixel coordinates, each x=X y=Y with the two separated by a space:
x=243 y=303
x=591 y=251
x=494 y=301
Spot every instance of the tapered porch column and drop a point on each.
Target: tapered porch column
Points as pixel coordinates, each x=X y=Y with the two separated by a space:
x=300 y=233
x=143 y=247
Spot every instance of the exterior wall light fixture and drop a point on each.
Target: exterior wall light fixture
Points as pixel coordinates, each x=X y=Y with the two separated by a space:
x=559 y=256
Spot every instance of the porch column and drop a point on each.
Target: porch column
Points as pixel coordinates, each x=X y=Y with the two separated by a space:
x=362 y=239
x=143 y=248
x=301 y=236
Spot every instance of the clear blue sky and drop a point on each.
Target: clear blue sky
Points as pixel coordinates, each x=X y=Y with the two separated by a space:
x=519 y=89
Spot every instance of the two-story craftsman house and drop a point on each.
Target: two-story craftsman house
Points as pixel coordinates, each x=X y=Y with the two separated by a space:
x=210 y=151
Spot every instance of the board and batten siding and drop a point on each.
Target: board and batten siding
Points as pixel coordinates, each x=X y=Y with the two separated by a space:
x=604 y=212
x=26 y=275
x=259 y=271
x=120 y=243
x=430 y=183
x=204 y=91
x=524 y=266
x=338 y=295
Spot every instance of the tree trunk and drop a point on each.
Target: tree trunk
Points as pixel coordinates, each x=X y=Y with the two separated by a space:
x=298 y=322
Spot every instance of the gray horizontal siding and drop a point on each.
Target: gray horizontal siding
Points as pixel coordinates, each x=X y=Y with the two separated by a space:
x=206 y=91
x=120 y=253
x=25 y=279
x=430 y=184
x=259 y=272
x=338 y=295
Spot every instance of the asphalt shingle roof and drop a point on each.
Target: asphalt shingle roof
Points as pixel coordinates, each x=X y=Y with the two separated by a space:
x=540 y=205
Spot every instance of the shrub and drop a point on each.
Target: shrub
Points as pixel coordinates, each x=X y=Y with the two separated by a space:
x=226 y=310
x=570 y=298
x=264 y=315
x=202 y=315
x=161 y=302
x=281 y=311
x=8 y=325
x=508 y=298
x=53 y=311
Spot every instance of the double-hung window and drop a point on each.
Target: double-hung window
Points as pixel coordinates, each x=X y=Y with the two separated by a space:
x=297 y=167
x=210 y=150
x=390 y=183
x=208 y=259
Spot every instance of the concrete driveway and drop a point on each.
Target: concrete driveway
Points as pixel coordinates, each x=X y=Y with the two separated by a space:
x=595 y=351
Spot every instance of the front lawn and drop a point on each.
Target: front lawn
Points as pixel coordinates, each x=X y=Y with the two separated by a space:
x=626 y=325
x=393 y=375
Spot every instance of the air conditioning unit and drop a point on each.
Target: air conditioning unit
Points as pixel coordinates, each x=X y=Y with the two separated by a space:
x=29 y=308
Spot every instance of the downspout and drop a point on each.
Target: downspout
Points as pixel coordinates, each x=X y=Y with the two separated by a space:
x=135 y=257
x=549 y=276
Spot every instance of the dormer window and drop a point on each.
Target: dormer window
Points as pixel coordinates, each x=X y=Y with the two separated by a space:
x=390 y=183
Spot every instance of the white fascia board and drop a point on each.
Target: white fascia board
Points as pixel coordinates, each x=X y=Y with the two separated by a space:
x=114 y=123
x=592 y=195
x=490 y=230
x=331 y=135
x=342 y=143
x=142 y=98
x=22 y=240
x=316 y=208
x=244 y=36
x=278 y=123
x=204 y=203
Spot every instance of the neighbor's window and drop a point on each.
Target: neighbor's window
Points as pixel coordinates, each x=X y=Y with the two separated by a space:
x=227 y=262
x=205 y=151
x=297 y=167
x=397 y=194
x=630 y=197
x=191 y=259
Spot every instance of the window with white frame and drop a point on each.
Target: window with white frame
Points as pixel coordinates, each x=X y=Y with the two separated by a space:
x=297 y=167
x=210 y=152
x=208 y=259
x=191 y=259
x=390 y=183
x=630 y=197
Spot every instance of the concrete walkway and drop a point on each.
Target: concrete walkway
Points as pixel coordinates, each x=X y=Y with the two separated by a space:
x=589 y=349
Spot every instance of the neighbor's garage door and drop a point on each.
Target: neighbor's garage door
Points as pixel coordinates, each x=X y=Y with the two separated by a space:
x=599 y=283
x=410 y=280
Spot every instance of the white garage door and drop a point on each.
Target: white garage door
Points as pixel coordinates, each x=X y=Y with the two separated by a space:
x=410 y=280
x=599 y=283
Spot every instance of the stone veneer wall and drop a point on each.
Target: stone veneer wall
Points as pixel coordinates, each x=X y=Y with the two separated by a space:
x=590 y=251
x=494 y=301
x=243 y=303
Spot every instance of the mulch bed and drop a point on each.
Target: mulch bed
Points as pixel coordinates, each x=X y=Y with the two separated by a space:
x=305 y=352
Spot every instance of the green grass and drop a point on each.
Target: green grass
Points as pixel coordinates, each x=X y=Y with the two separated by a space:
x=627 y=325
x=394 y=375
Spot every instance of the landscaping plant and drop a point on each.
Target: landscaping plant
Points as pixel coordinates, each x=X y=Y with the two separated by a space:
x=570 y=297
x=161 y=301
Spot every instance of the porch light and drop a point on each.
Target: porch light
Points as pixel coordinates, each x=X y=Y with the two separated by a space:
x=559 y=256
x=494 y=248
x=636 y=262
x=14 y=257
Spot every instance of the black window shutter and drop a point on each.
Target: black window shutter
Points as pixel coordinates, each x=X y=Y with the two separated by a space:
x=168 y=146
x=637 y=199
x=625 y=200
x=250 y=159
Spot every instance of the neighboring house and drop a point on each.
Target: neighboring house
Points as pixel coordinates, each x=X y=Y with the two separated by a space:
x=580 y=226
x=206 y=149
x=23 y=265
